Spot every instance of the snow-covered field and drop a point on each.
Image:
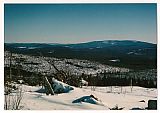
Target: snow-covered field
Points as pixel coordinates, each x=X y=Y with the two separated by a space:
x=108 y=97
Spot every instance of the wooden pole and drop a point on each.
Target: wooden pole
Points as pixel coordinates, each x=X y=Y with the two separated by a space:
x=48 y=85
x=10 y=69
x=131 y=85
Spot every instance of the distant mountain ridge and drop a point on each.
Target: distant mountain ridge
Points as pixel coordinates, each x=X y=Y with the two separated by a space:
x=107 y=43
x=129 y=53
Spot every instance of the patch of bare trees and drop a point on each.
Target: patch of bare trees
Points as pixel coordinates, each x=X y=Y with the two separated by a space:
x=13 y=98
x=12 y=92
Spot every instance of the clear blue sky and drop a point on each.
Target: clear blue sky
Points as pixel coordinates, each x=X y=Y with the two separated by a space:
x=70 y=23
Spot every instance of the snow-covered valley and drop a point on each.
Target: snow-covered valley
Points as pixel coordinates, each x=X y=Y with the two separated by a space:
x=44 y=64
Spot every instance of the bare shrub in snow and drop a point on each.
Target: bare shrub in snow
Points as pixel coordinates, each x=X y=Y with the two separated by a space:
x=13 y=98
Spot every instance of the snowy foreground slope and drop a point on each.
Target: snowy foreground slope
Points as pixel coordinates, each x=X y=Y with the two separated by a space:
x=107 y=98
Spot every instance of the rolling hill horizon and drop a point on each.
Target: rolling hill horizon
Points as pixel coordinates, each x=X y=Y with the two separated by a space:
x=125 y=53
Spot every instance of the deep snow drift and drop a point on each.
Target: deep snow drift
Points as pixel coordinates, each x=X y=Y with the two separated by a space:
x=79 y=98
x=58 y=87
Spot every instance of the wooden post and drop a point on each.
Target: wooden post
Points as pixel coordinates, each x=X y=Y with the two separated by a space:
x=10 y=69
x=48 y=85
x=131 y=85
